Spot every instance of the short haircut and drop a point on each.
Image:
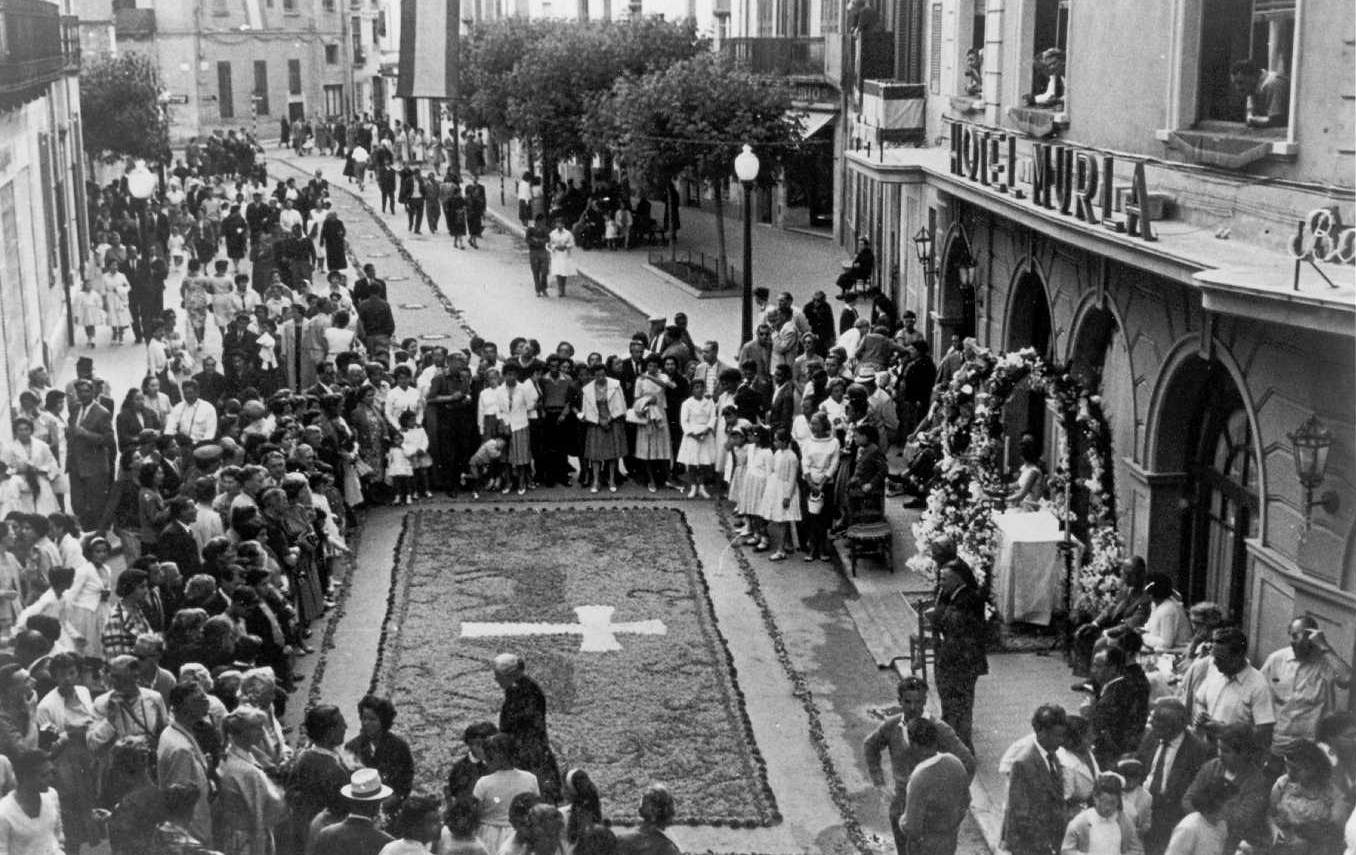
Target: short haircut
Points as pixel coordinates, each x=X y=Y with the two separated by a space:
x=381 y=707
x=912 y=683
x=922 y=733
x=320 y=719
x=1231 y=637
x=130 y=580
x=1048 y=716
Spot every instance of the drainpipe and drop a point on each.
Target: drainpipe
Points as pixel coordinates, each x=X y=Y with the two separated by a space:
x=993 y=61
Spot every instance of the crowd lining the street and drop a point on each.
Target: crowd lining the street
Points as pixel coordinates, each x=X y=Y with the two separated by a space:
x=142 y=704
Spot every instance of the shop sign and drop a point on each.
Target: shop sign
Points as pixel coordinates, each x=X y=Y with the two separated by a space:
x=1068 y=180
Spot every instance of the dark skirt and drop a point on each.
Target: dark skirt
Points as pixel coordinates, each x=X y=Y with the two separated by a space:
x=605 y=443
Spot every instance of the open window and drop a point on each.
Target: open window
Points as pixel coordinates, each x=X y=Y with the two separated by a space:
x=1247 y=47
x=1050 y=42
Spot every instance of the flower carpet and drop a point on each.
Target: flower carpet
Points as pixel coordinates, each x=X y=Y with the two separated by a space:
x=611 y=611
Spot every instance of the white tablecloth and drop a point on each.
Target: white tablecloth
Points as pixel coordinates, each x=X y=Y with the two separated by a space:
x=1028 y=571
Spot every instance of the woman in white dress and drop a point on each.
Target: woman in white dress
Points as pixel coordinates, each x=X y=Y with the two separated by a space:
x=698 y=449
x=32 y=467
x=117 y=293
x=561 y=245
x=90 y=596
x=819 y=464
x=30 y=816
x=88 y=306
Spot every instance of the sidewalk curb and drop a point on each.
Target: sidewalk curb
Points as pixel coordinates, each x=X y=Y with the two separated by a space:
x=674 y=282
x=516 y=228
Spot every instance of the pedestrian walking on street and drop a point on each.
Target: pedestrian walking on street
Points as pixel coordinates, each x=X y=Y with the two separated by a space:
x=561 y=244
x=454 y=208
x=433 y=201
x=412 y=197
x=475 y=210
x=538 y=256
x=332 y=234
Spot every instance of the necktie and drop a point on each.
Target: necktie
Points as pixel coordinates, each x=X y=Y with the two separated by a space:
x=1160 y=761
x=1056 y=773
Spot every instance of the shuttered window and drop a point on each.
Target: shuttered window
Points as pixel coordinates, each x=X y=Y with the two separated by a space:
x=935 y=61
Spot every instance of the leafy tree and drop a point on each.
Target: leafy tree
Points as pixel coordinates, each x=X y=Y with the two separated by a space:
x=120 y=109
x=694 y=117
x=535 y=81
x=488 y=57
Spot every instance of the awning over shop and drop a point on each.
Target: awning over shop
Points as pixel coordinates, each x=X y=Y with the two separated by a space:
x=814 y=121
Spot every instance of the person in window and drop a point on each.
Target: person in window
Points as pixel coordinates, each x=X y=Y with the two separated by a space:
x=1050 y=74
x=1267 y=94
x=974 y=71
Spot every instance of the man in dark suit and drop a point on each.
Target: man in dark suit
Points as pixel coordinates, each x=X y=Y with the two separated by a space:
x=89 y=457
x=140 y=302
x=1034 y=821
x=358 y=833
x=1171 y=758
x=754 y=394
x=783 y=411
x=1117 y=713
x=631 y=369
x=176 y=541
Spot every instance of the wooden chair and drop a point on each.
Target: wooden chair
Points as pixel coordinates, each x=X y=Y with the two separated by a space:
x=922 y=642
x=868 y=532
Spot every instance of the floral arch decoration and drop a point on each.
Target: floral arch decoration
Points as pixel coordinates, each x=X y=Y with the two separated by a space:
x=970 y=486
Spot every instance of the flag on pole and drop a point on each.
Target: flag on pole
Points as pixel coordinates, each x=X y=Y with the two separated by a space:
x=430 y=33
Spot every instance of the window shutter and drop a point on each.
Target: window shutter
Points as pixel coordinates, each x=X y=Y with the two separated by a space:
x=935 y=62
x=909 y=41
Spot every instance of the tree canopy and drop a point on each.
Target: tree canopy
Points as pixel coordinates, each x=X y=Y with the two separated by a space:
x=120 y=109
x=695 y=115
x=536 y=80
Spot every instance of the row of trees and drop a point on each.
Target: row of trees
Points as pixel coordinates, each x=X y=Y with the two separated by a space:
x=647 y=94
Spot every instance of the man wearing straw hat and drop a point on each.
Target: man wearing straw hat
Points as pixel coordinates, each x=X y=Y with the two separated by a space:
x=358 y=833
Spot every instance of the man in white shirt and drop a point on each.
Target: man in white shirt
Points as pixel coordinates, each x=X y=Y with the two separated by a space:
x=192 y=417
x=1304 y=678
x=1233 y=691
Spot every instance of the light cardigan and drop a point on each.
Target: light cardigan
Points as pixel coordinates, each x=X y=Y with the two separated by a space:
x=1077 y=835
x=616 y=402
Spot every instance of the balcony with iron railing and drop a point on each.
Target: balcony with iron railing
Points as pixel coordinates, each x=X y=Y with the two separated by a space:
x=781 y=56
x=30 y=48
x=70 y=42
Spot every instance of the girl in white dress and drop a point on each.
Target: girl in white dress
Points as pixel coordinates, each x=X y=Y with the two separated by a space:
x=89 y=310
x=781 y=497
x=738 y=450
x=698 y=449
x=755 y=481
x=117 y=291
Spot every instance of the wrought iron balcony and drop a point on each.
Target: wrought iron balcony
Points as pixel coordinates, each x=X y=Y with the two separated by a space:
x=789 y=56
x=70 y=42
x=30 y=48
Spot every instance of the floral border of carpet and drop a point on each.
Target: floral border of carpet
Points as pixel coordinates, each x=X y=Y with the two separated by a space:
x=683 y=719
x=800 y=687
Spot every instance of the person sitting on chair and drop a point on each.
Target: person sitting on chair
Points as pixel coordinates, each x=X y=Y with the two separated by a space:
x=860 y=269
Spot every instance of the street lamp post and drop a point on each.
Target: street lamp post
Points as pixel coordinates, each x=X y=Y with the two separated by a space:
x=746 y=170
x=922 y=243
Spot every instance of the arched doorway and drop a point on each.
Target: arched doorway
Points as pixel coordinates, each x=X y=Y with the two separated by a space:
x=1028 y=326
x=1204 y=432
x=1101 y=362
x=957 y=301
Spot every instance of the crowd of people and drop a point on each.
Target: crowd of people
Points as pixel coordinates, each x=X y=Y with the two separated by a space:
x=163 y=559
x=1199 y=754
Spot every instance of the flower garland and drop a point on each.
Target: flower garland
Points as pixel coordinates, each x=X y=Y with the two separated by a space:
x=965 y=495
